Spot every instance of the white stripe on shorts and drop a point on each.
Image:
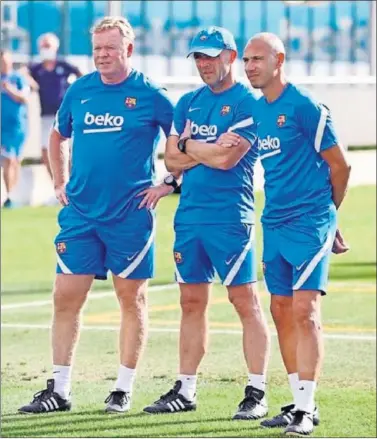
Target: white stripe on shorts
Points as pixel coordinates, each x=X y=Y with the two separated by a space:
x=314 y=262
x=178 y=276
x=62 y=265
x=136 y=262
x=237 y=265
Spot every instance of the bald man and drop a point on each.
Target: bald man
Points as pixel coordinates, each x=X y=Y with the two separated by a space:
x=306 y=177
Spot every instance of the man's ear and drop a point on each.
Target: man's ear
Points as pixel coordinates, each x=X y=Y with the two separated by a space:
x=281 y=59
x=130 y=49
x=233 y=56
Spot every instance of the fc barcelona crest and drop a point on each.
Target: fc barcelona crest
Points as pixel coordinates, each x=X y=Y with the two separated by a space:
x=281 y=120
x=61 y=247
x=130 y=102
x=178 y=257
x=225 y=110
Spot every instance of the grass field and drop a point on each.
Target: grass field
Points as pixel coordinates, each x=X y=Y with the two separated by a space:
x=347 y=391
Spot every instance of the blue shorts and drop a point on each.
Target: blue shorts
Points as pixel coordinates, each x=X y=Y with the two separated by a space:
x=12 y=144
x=296 y=255
x=228 y=249
x=126 y=248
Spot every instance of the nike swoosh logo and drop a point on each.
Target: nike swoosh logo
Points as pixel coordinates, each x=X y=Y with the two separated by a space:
x=85 y=100
x=298 y=267
x=129 y=258
x=229 y=261
x=193 y=109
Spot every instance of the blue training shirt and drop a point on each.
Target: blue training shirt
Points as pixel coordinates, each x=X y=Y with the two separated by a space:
x=13 y=113
x=52 y=84
x=115 y=130
x=215 y=196
x=292 y=132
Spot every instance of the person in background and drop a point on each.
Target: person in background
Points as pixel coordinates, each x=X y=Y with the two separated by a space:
x=14 y=95
x=51 y=78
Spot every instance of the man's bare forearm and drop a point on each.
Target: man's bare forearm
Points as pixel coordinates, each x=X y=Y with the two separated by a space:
x=17 y=95
x=175 y=160
x=57 y=158
x=339 y=181
x=216 y=156
x=340 y=171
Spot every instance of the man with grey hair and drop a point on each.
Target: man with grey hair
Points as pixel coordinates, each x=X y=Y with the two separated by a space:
x=51 y=78
x=107 y=220
x=306 y=177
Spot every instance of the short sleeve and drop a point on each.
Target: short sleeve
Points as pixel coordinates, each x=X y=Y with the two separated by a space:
x=244 y=123
x=63 y=118
x=73 y=70
x=164 y=111
x=180 y=116
x=316 y=123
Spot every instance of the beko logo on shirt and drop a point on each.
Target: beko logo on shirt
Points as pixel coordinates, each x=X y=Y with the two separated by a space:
x=204 y=130
x=107 y=121
x=270 y=145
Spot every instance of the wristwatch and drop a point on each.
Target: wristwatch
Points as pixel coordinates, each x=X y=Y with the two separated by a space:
x=171 y=181
x=182 y=144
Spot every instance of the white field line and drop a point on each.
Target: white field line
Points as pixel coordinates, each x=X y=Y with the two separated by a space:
x=176 y=330
x=152 y=288
x=91 y=296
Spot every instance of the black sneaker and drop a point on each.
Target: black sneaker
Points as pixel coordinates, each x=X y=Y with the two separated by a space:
x=172 y=402
x=285 y=417
x=118 y=402
x=301 y=425
x=253 y=406
x=47 y=401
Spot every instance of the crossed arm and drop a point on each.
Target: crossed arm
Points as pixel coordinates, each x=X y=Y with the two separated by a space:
x=224 y=154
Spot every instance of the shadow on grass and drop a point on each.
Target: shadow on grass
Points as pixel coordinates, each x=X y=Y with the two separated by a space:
x=98 y=422
x=119 y=427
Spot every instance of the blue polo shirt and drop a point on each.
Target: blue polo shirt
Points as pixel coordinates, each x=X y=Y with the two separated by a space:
x=115 y=129
x=293 y=130
x=209 y=195
x=52 y=84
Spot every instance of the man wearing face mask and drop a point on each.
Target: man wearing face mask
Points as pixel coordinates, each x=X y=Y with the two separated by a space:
x=53 y=77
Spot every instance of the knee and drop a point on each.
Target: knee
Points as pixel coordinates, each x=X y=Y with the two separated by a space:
x=67 y=302
x=245 y=301
x=281 y=309
x=193 y=305
x=132 y=300
x=306 y=316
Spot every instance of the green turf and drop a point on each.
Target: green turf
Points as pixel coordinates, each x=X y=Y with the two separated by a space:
x=347 y=390
x=27 y=236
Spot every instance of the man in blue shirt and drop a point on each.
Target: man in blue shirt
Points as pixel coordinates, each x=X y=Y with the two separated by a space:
x=52 y=77
x=213 y=142
x=14 y=95
x=306 y=177
x=114 y=115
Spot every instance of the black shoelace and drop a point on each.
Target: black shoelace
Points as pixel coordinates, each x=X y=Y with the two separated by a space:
x=119 y=397
x=42 y=395
x=248 y=403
